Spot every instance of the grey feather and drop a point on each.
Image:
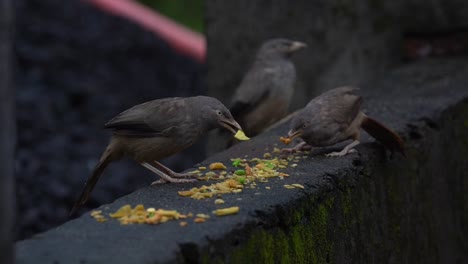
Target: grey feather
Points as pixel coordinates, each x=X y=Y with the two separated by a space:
x=328 y=116
x=149 y=119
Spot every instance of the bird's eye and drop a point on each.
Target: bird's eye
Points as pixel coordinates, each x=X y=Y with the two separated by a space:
x=219 y=112
x=304 y=126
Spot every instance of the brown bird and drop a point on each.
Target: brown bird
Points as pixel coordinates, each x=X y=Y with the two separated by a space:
x=157 y=129
x=266 y=90
x=336 y=116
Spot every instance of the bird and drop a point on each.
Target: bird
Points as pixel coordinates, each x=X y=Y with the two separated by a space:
x=266 y=90
x=158 y=129
x=336 y=116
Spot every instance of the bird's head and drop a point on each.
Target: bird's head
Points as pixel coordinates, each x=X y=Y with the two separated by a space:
x=298 y=127
x=280 y=46
x=215 y=114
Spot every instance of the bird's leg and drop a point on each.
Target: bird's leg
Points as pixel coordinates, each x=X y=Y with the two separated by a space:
x=158 y=182
x=164 y=176
x=346 y=150
x=299 y=147
x=172 y=173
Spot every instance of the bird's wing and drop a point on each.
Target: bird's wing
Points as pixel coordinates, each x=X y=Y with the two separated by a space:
x=239 y=109
x=347 y=106
x=253 y=90
x=346 y=110
x=150 y=119
x=341 y=105
x=332 y=112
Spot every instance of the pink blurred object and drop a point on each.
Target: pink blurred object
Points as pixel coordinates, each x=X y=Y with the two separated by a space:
x=179 y=37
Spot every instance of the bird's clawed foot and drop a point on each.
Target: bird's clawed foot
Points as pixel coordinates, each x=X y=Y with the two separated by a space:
x=183 y=175
x=341 y=153
x=299 y=147
x=172 y=180
x=167 y=175
x=346 y=150
x=172 y=173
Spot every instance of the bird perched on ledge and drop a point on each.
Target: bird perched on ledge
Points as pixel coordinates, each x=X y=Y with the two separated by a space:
x=265 y=92
x=157 y=129
x=336 y=116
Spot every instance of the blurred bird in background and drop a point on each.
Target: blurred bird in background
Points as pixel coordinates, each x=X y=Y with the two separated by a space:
x=265 y=92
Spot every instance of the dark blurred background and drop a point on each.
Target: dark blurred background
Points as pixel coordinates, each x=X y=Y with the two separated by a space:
x=78 y=66
x=349 y=42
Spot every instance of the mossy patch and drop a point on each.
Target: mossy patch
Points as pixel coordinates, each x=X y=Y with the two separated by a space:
x=307 y=238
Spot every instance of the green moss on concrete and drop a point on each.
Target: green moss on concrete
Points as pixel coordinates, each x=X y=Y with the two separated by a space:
x=307 y=238
x=311 y=232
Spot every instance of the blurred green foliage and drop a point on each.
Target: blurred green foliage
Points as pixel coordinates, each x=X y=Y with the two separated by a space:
x=186 y=12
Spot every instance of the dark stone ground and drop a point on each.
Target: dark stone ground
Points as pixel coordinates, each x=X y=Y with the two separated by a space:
x=76 y=68
x=369 y=207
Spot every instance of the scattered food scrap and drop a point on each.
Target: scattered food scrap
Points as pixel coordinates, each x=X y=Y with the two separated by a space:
x=293 y=186
x=205 y=191
x=236 y=162
x=245 y=175
x=210 y=174
x=297 y=185
x=240 y=135
x=285 y=140
x=240 y=172
x=226 y=211
x=97 y=214
x=203 y=216
x=138 y=215
x=241 y=180
x=217 y=166
x=199 y=220
x=219 y=201
x=196 y=172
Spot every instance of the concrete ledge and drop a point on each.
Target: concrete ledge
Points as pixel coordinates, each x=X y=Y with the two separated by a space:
x=362 y=208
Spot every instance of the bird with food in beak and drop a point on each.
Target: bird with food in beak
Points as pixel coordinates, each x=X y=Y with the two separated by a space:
x=158 y=129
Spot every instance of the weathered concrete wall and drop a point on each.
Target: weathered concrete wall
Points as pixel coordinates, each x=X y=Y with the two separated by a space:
x=367 y=207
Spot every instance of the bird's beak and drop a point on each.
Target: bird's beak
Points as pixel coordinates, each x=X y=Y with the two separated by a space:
x=230 y=125
x=294 y=134
x=297 y=45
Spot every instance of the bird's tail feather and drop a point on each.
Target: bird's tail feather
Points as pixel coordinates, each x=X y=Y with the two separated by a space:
x=383 y=134
x=93 y=179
